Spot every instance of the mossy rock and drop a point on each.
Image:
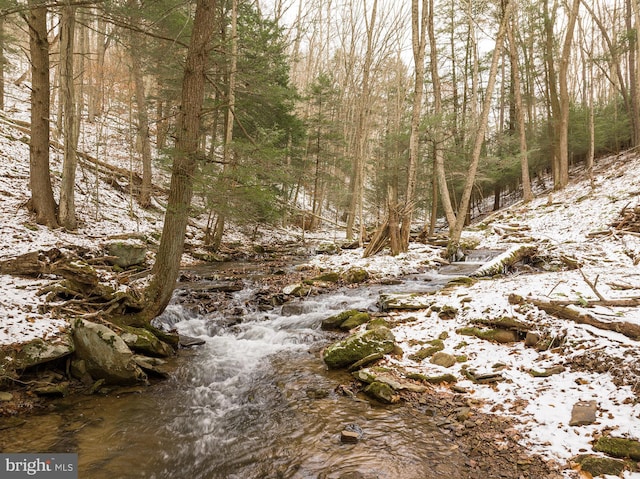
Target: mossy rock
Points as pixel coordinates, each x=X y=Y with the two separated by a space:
x=355 y=275
x=447 y=312
x=440 y=379
x=355 y=320
x=330 y=277
x=334 y=322
x=144 y=341
x=382 y=392
x=358 y=346
x=426 y=352
x=39 y=351
x=603 y=466
x=377 y=322
x=497 y=335
x=618 y=447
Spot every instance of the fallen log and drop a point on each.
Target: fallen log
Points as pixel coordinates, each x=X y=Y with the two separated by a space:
x=555 y=308
x=500 y=263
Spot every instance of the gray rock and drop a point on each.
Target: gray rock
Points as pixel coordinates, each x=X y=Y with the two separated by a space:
x=583 y=413
x=41 y=351
x=105 y=354
x=127 y=253
x=143 y=341
x=296 y=289
x=155 y=366
x=352 y=433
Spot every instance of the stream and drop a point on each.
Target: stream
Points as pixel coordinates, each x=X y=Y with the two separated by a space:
x=254 y=401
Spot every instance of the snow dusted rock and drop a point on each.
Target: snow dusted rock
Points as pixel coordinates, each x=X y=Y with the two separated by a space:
x=41 y=351
x=405 y=301
x=127 y=253
x=106 y=355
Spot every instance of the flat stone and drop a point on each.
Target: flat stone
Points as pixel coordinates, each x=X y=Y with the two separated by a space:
x=4 y=396
x=349 y=437
x=583 y=413
x=188 y=341
x=443 y=359
x=405 y=301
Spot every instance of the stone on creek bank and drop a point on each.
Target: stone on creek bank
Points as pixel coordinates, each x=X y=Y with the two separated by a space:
x=358 y=346
x=374 y=375
x=143 y=341
x=405 y=301
x=39 y=351
x=382 y=392
x=346 y=320
x=106 y=355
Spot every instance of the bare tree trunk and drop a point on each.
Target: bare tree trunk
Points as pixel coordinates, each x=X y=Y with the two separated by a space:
x=632 y=35
x=230 y=118
x=70 y=123
x=96 y=100
x=3 y=62
x=144 y=139
x=418 y=35
x=552 y=91
x=463 y=208
x=357 y=183
x=167 y=264
x=522 y=130
x=42 y=202
x=438 y=147
x=563 y=142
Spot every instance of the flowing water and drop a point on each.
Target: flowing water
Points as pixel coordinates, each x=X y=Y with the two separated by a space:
x=255 y=401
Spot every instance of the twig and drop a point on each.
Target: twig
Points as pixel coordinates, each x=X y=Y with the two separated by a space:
x=592 y=285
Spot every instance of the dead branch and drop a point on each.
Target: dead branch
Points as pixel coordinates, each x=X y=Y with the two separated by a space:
x=629 y=330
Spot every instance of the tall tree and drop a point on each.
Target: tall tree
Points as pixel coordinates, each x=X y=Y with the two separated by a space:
x=519 y=111
x=71 y=121
x=438 y=131
x=356 y=191
x=419 y=18
x=3 y=62
x=465 y=201
x=565 y=56
x=143 y=136
x=42 y=202
x=166 y=267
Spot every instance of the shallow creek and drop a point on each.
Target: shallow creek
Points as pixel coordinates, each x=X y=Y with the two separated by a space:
x=255 y=401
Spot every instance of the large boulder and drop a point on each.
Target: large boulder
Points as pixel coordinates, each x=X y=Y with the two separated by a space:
x=127 y=253
x=358 y=346
x=105 y=354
